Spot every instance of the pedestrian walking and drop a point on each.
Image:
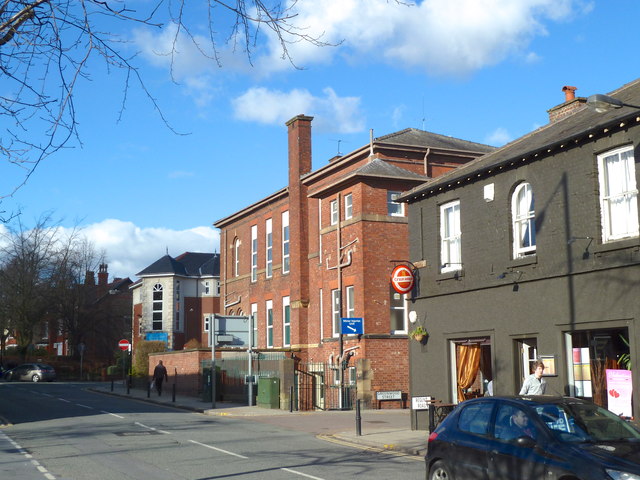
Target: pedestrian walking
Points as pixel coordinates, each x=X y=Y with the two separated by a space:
x=159 y=375
x=534 y=384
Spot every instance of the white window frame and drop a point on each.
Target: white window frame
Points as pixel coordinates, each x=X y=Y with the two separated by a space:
x=348 y=206
x=286 y=254
x=206 y=327
x=269 y=323
x=333 y=208
x=524 y=220
x=254 y=314
x=236 y=257
x=268 y=240
x=254 y=253
x=207 y=288
x=394 y=209
x=335 y=312
x=321 y=315
x=403 y=309
x=154 y=307
x=618 y=209
x=350 y=303
x=286 y=322
x=450 y=237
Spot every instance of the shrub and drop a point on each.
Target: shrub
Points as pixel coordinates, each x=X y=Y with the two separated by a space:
x=141 y=357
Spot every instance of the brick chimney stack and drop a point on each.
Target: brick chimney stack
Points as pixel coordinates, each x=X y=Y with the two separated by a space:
x=571 y=104
x=299 y=134
x=103 y=275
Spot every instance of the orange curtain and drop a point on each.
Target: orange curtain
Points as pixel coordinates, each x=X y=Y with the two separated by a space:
x=468 y=366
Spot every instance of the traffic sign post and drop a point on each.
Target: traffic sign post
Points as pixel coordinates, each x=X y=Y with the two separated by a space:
x=125 y=346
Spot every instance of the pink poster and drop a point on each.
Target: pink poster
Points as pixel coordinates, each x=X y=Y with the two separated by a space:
x=619 y=391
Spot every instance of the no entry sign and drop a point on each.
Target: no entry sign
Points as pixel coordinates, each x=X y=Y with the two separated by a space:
x=124 y=344
x=402 y=279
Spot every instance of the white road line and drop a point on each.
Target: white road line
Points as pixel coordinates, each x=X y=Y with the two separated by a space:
x=301 y=474
x=35 y=463
x=109 y=413
x=84 y=406
x=143 y=426
x=219 y=449
x=63 y=400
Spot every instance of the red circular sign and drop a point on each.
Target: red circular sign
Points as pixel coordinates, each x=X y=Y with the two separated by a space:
x=124 y=344
x=402 y=279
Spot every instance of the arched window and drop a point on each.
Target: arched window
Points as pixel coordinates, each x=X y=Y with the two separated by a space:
x=157 y=307
x=236 y=258
x=524 y=221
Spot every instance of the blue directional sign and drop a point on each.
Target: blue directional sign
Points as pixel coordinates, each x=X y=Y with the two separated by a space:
x=352 y=326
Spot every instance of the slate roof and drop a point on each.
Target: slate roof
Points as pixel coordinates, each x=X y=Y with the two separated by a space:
x=381 y=168
x=545 y=141
x=414 y=136
x=188 y=264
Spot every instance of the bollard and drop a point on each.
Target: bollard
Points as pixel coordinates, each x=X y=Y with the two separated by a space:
x=173 y=397
x=291 y=399
x=112 y=384
x=358 y=419
x=432 y=418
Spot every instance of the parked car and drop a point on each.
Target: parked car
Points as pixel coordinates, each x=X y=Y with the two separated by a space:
x=527 y=438
x=31 y=372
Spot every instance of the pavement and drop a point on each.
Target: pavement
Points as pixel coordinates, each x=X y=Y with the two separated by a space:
x=385 y=430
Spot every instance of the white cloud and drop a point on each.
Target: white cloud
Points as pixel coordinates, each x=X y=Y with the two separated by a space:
x=130 y=249
x=274 y=107
x=499 y=137
x=450 y=37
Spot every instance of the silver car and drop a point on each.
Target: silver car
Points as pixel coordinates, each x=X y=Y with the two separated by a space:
x=31 y=372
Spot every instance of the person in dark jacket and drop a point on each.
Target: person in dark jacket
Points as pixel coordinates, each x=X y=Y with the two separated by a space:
x=159 y=375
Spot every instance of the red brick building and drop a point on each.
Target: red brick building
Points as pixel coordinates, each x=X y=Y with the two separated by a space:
x=323 y=248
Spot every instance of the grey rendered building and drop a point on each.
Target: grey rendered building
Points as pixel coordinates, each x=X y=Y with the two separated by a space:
x=532 y=252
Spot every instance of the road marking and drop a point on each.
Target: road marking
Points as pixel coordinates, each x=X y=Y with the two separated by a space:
x=301 y=474
x=218 y=449
x=63 y=400
x=109 y=413
x=84 y=406
x=22 y=451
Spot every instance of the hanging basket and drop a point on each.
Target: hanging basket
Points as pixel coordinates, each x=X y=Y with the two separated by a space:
x=419 y=337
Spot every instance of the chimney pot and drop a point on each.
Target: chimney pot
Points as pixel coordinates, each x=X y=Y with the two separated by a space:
x=569 y=93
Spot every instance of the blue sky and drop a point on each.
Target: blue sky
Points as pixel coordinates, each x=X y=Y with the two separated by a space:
x=481 y=70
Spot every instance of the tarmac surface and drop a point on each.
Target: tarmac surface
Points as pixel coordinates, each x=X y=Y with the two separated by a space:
x=385 y=430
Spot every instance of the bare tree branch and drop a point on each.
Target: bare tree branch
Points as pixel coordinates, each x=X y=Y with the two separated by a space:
x=48 y=46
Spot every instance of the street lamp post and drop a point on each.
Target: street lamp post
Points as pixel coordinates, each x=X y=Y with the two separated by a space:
x=604 y=103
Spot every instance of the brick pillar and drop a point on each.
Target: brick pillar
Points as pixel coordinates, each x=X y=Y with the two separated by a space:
x=299 y=135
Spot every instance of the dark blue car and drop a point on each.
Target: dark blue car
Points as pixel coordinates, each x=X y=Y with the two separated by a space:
x=533 y=438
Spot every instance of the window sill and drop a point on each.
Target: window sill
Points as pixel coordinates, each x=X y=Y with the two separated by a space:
x=453 y=274
x=525 y=260
x=617 y=245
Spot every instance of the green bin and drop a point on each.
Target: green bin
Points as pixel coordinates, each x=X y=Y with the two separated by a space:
x=269 y=392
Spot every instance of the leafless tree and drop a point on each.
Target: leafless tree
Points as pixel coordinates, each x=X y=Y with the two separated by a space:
x=47 y=47
x=25 y=270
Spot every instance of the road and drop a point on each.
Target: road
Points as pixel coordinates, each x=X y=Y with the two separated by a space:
x=60 y=431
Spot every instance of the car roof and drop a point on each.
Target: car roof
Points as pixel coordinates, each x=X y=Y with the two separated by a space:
x=530 y=400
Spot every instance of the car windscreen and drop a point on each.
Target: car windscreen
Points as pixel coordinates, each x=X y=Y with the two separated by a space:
x=582 y=422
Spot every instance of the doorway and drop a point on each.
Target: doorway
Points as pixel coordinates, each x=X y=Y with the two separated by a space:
x=472 y=372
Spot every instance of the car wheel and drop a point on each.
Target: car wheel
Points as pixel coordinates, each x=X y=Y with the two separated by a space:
x=35 y=377
x=439 y=471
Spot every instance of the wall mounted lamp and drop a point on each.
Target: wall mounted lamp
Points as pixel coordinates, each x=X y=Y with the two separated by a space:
x=603 y=103
x=516 y=275
x=585 y=254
